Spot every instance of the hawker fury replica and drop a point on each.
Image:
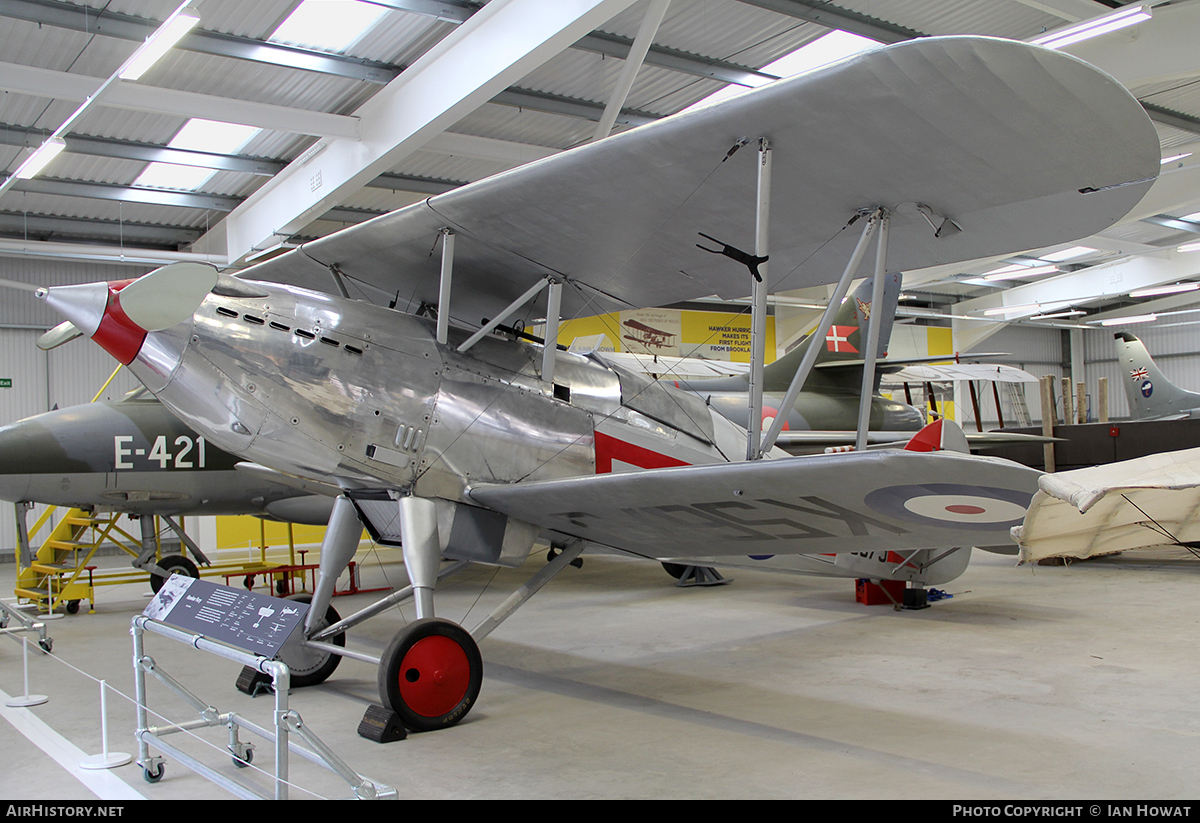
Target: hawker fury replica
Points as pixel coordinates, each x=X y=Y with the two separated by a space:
x=461 y=442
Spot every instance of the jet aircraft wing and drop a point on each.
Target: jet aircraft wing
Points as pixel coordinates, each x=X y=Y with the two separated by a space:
x=1148 y=501
x=1018 y=145
x=861 y=501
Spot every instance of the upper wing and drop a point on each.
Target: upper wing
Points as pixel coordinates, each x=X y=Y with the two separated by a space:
x=960 y=371
x=1020 y=146
x=1132 y=504
x=803 y=505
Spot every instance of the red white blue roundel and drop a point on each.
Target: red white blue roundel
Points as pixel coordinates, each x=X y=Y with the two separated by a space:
x=952 y=505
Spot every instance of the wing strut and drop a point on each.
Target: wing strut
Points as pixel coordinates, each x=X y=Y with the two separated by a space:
x=443 y=318
x=835 y=302
x=874 y=323
x=550 y=346
x=489 y=326
x=758 y=301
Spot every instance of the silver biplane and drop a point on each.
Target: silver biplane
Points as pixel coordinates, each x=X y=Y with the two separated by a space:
x=460 y=442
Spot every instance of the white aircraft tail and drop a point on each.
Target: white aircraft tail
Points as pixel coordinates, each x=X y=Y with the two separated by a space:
x=1150 y=394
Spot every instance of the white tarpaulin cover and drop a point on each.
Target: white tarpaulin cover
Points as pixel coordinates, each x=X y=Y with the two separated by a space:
x=1128 y=505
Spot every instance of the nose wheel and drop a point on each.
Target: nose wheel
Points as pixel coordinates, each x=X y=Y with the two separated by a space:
x=430 y=674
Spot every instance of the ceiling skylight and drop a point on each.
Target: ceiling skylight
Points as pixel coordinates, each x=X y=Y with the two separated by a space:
x=329 y=25
x=196 y=135
x=837 y=45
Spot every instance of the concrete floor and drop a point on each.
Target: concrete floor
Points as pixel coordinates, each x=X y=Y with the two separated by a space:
x=1031 y=683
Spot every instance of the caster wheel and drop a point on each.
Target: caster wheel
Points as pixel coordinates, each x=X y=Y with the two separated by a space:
x=154 y=775
x=175 y=564
x=72 y=607
x=310 y=666
x=244 y=762
x=47 y=645
x=430 y=674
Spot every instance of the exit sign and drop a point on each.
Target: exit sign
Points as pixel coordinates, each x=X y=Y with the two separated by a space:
x=5 y=382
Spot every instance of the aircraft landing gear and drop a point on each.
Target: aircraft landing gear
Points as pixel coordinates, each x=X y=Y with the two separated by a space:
x=430 y=674
x=174 y=564
x=310 y=666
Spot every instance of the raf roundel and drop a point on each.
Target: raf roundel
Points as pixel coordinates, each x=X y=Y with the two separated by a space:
x=950 y=504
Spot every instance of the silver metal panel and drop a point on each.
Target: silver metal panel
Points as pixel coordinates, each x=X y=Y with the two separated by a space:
x=680 y=410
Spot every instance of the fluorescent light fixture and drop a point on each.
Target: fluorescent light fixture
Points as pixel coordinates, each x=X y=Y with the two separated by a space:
x=1174 y=157
x=1057 y=315
x=329 y=25
x=1175 y=288
x=196 y=135
x=1014 y=272
x=1028 y=308
x=1067 y=254
x=1189 y=247
x=158 y=44
x=37 y=161
x=1122 y=321
x=1094 y=27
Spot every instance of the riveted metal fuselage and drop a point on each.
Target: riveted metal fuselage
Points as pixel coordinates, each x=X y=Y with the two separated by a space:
x=321 y=386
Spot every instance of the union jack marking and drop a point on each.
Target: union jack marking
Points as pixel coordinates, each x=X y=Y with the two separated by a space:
x=1138 y=374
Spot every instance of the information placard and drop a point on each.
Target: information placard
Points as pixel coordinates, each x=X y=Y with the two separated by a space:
x=252 y=622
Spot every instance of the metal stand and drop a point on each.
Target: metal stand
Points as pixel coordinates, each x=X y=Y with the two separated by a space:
x=701 y=576
x=28 y=624
x=27 y=699
x=286 y=722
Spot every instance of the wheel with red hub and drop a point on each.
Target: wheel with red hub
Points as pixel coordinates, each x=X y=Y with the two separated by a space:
x=430 y=674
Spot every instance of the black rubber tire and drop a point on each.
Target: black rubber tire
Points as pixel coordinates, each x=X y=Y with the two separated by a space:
x=154 y=776
x=173 y=564
x=309 y=667
x=430 y=674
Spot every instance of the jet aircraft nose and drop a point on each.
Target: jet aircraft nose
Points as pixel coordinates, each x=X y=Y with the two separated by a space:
x=118 y=314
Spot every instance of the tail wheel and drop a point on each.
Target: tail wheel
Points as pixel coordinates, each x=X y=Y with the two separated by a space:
x=309 y=666
x=431 y=674
x=174 y=564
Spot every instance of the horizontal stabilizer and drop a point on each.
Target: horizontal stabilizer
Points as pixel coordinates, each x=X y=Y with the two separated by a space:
x=860 y=501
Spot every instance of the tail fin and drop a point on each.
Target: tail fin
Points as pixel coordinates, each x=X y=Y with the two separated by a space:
x=847 y=336
x=1150 y=394
x=940 y=435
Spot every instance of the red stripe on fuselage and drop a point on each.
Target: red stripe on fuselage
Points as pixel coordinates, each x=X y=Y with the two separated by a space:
x=609 y=448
